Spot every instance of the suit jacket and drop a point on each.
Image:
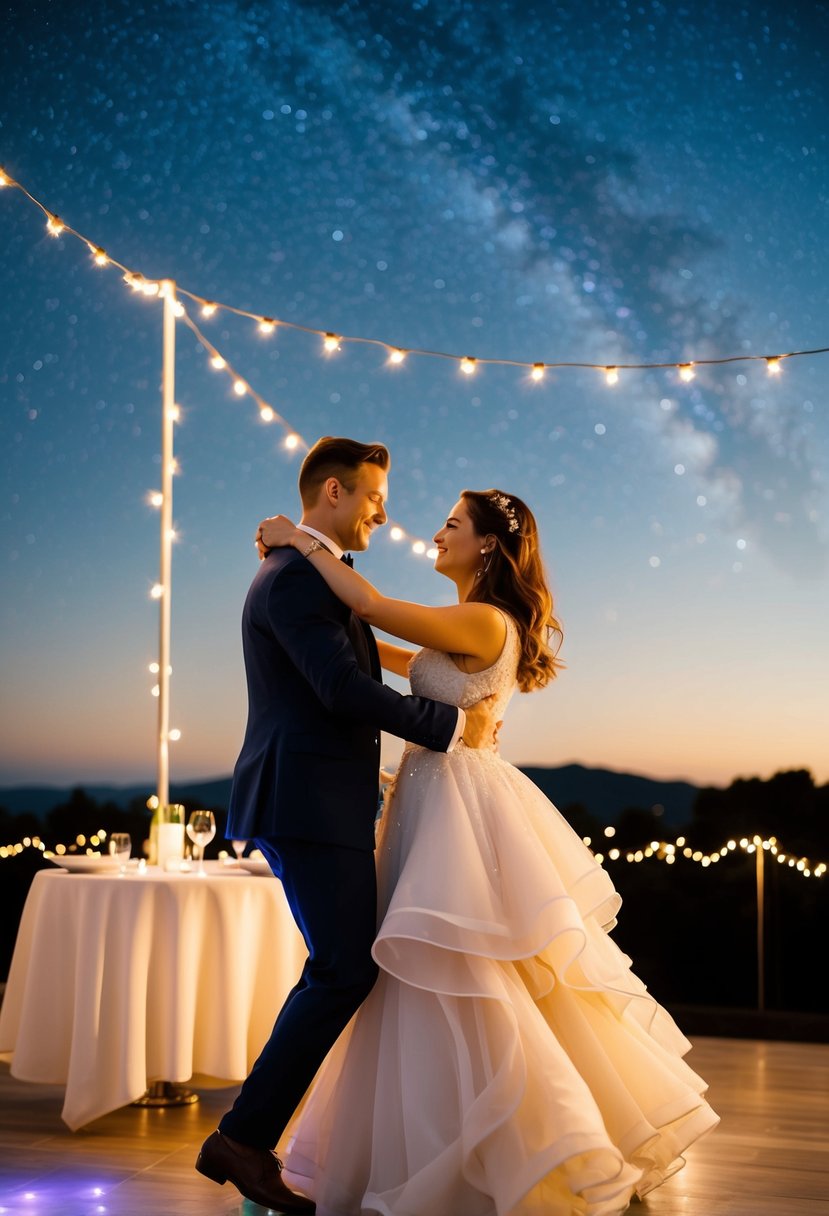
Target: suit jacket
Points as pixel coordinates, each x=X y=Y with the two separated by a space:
x=309 y=764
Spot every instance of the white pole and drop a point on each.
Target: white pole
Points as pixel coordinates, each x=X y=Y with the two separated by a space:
x=168 y=398
x=761 y=962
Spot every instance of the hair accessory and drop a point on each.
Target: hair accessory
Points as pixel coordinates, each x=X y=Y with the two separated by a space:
x=504 y=505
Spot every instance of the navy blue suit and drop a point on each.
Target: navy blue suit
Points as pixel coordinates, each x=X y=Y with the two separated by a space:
x=305 y=789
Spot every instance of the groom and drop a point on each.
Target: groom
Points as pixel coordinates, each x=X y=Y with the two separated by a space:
x=305 y=790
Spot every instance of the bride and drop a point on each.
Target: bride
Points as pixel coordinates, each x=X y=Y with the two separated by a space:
x=508 y=1061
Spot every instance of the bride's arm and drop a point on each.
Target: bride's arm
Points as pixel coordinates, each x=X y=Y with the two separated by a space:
x=395 y=658
x=477 y=630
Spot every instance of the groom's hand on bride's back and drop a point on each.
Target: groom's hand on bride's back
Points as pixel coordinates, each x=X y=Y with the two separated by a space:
x=481 y=729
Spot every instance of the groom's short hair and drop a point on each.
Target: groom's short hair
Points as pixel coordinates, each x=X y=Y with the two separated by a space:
x=333 y=456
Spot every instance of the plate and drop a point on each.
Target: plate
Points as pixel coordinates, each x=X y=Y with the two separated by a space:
x=84 y=864
x=255 y=865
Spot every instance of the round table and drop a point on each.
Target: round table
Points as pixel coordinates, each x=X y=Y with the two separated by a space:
x=118 y=981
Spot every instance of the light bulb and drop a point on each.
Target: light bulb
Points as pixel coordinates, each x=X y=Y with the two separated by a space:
x=396 y=533
x=157 y=591
x=100 y=256
x=178 y=308
x=267 y=325
x=174 y=735
x=155 y=690
x=537 y=372
x=331 y=342
x=432 y=554
x=175 y=413
x=150 y=289
x=218 y=362
x=773 y=366
x=239 y=388
x=5 y=180
x=468 y=366
x=55 y=225
x=208 y=308
x=266 y=414
x=686 y=372
x=418 y=547
x=156 y=498
x=611 y=375
x=154 y=668
x=291 y=442
x=397 y=356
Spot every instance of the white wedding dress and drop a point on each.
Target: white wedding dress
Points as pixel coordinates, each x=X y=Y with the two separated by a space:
x=507 y=1061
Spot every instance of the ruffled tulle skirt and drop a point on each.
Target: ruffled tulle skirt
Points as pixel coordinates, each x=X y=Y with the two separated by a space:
x=508 y=1061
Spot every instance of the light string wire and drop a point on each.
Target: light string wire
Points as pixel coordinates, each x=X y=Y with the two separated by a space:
x=669 y=851
x=656 y=850
x=293 y=440
x=333 y=341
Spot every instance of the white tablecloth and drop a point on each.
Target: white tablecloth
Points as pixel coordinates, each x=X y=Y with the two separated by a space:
x=119 y=981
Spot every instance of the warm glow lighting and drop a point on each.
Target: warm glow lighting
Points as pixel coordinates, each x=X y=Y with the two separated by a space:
x=291 y=442
x=150 y=289
x=178 y=308
x=208 y=309
x=611 y=375
x=156 y=498
x=537 y=372
x=397 y=356
x=100 y=256
x=55 y=225
x=218 y=362
x=267 y=325
x=157 y=591
x=610 y=830
x=432 y=554
x=174 y=468
x=154 y=668
x=175 y=413
x=773 y=367
x=5 y=180
x=418 y=547
x=266 y=414
x=156 y=690
x=396 y=533
x=152 y=802
x=331 y=342
x=468 y=366
x=686 y=372
x=174 y=735
x=173 y=535
x=239 y=388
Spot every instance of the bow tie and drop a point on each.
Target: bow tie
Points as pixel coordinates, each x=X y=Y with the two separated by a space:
x=348 y=559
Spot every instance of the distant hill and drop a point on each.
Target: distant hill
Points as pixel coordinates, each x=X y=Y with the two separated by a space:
x=605 y=794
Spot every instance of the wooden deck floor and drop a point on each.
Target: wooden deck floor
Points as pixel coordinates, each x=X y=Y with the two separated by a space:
x=769 y=1157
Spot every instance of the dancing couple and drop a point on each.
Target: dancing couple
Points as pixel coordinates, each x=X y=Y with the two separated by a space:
x=465 y=1039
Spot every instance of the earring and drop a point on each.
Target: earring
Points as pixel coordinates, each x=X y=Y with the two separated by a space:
x=485 y=566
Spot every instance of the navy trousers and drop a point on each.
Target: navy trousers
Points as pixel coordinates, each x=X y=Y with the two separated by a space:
x=332 y=893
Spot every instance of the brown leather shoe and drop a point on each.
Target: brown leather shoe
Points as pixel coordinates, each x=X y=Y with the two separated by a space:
x=256 y=1172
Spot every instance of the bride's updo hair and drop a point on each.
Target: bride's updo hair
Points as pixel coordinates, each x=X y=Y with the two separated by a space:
x=514 y=580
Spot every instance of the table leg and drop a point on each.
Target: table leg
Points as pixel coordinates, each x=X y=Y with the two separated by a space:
x=166 y=1093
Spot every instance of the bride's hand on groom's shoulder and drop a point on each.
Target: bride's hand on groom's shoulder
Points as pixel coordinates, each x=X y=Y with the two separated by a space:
x=275 y=532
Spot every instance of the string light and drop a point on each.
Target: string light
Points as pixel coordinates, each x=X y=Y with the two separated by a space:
x=157 y=591
x=332 y=341
x=418 y=547
x=396 y=533
x=267 y=414
x=174 y=735
x=292 y=442
x=155 y=498
x=239 y=388
x=218 y=363
x=611 y=375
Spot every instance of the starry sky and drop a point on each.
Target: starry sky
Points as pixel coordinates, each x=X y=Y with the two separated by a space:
x=608 y=181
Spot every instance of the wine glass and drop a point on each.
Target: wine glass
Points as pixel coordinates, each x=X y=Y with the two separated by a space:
x=239 y=847
x=120 y=846
x=201 y=828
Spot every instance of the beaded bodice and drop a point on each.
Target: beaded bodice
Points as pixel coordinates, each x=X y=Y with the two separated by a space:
x=434 y=674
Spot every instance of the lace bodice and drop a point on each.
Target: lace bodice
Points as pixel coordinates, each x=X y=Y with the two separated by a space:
x=434 y=674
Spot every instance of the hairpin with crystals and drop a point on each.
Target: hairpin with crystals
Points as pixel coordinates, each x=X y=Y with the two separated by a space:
x=504 y=505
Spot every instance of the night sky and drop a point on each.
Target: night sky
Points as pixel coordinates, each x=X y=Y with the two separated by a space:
x=600 y=181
